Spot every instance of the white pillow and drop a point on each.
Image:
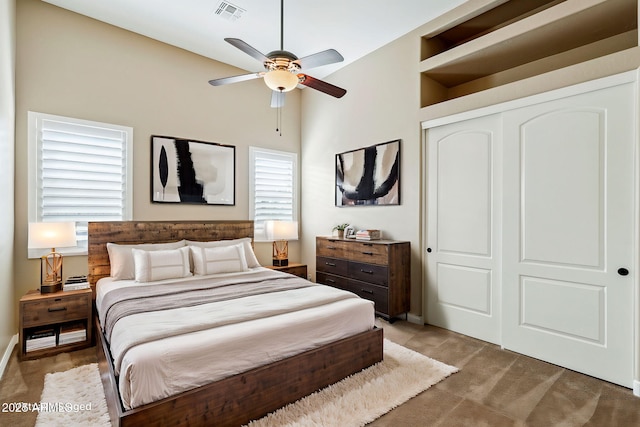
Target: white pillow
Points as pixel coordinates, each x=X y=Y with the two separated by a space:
x=161 y=264
x=221 y=259
x=250 y=256
x=121 y=257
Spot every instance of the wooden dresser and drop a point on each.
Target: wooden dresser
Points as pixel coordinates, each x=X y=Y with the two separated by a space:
x=378 y=270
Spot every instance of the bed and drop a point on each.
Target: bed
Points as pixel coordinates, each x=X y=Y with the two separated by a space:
x=313 y=356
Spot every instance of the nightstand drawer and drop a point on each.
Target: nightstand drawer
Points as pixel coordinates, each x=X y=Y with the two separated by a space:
x=297 y=270
x=55 y=310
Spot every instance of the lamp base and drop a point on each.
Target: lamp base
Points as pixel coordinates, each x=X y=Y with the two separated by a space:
x=50 y=288
x=280 y=262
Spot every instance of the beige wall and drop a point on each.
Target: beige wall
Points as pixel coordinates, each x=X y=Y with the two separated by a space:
x=7 y=116
x=382 y=104
x=71 y=65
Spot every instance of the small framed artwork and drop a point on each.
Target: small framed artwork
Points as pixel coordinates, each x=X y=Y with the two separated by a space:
x=188 y=171
x=369 y=176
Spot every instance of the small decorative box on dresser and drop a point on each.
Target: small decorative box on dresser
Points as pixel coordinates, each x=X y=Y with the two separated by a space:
x=54 y=323
x=299 y=270
x=378 y=270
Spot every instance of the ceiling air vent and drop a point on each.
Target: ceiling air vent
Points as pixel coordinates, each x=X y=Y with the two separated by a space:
x=229 y=11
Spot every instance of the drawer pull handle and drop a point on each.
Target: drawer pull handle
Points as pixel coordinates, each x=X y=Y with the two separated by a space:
x=331 y=281
x=367 y=253
x=367 y=244
x=51 y=310
x=366 y=271
x=367 y=291
x=330 y=264
x=331 y=247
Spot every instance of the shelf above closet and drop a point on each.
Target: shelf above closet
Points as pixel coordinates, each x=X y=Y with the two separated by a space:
x=520 y=39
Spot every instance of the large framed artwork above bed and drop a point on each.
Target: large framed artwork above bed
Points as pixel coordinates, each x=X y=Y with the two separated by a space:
x=189 y=171
x=191 y=329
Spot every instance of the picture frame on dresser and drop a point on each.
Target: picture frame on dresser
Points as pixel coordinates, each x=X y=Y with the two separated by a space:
x=193 y=172
x=368 y=176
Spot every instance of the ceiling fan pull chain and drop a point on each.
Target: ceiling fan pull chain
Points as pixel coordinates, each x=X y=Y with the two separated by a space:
x=279 y=118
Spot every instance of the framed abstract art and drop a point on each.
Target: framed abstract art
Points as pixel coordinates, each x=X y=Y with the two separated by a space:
x=369 y=176
x=189 y=171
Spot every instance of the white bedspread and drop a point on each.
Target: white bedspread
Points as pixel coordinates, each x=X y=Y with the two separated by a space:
x=240 y=334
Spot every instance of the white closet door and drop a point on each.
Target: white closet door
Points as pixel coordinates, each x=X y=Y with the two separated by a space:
x=463 y=230
x=568 y=232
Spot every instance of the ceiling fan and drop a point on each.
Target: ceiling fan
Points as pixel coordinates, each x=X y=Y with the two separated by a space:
x=283 y=69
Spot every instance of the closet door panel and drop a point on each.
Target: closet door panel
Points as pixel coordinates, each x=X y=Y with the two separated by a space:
x=563 y=183
x=463 y=281
x=568 y=228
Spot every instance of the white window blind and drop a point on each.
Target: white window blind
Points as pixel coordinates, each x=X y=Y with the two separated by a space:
x=273 y=188
x=80 y=171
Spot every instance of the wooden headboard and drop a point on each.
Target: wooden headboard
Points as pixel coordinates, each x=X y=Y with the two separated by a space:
x=133 y=232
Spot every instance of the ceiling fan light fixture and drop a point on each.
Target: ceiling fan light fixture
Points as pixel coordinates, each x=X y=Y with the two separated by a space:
x=281 y=80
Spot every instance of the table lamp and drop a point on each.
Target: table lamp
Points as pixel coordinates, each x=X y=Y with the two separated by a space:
x=51 y=235
x=280 y=232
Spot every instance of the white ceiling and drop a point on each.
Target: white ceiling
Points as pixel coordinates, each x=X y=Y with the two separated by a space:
x=352 y=27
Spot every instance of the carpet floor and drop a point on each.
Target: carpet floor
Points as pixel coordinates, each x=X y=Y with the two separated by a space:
x=494 y=387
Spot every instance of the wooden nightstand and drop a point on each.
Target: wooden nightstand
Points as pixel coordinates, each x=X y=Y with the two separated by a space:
x=293 y=268
x=55 y=323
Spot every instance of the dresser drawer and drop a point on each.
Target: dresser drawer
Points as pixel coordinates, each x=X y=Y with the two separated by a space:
x=55 y=310
x=332 y=265
x=377 y=274
x=371 y=253
x=332 y=248
x=331 y=280
x=378 y=294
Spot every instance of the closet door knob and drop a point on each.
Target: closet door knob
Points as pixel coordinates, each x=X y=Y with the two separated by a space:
x=429 y=250
x=623 y=271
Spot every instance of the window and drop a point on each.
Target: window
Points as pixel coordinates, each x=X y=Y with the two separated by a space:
x=273 y=188
x=78 y=171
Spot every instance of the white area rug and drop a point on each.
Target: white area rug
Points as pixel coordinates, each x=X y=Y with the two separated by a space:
x=73 y=398
x=365 y=396
x=354 y=401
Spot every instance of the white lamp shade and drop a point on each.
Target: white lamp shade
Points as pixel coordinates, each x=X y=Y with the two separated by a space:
x=281 y=230
x=52 y=235
x=281 y=80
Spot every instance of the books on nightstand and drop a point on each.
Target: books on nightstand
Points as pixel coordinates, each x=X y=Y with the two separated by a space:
x=41 y=338
x=72 y=332
x=368 y=235
x=73 y=283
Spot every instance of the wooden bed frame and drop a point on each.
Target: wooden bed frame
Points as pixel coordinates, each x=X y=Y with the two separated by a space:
x=238 y=399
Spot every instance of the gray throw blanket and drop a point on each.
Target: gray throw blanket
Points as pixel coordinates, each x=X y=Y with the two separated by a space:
x=123 y=302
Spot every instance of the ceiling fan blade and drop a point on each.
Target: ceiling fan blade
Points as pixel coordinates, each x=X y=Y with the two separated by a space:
x=249 y=50
x=235 y=79
x=322 y=86
x=329 y=56
x=277 y=99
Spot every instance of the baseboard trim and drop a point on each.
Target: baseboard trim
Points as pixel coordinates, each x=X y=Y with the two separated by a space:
x=636 y=388
x=414 y=318
x=7 y=354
